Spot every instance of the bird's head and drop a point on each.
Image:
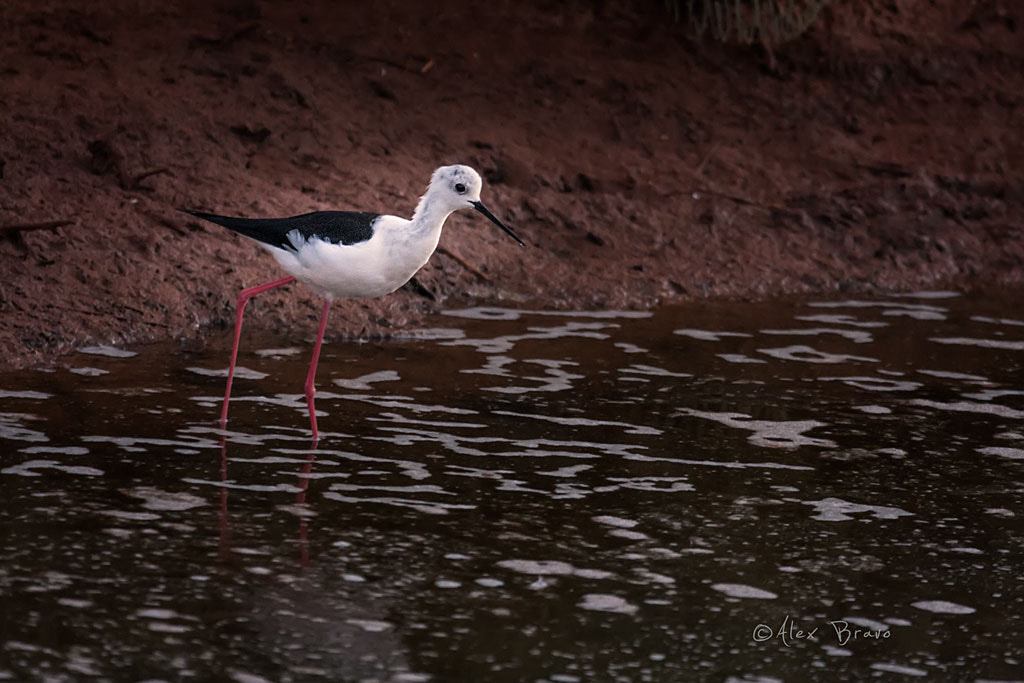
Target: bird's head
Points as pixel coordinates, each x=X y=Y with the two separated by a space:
x=458 y=187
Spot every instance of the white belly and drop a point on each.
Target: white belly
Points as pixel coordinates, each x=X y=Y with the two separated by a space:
x=365 y=270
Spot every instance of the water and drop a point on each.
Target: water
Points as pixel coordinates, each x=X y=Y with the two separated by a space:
x=716 y=492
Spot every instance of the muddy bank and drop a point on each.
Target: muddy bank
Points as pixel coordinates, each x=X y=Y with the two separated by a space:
x=882 y=151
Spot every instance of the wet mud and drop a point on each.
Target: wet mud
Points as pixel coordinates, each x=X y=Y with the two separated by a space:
x=881 y=151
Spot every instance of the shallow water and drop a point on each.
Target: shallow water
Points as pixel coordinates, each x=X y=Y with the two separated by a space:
x=514 y=495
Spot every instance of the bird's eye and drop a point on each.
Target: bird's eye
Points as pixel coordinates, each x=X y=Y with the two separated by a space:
x=460 y=188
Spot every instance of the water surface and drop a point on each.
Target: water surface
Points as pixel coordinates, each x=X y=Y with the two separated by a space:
x=715 y=492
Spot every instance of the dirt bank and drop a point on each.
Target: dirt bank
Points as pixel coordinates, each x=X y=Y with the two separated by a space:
x=882 y=151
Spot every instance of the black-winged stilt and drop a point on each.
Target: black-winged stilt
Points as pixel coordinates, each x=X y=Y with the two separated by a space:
x=353 y=254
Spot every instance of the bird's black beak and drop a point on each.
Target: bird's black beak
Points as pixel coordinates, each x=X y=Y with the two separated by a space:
x=479 y=206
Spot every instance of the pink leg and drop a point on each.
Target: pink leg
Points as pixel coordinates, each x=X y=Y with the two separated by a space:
x=310 y=389
x=243 y=299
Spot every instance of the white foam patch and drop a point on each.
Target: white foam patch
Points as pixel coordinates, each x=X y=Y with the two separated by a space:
x=240 y=372
x=942 y=607
x=602 y=602
x=11 y=428
x=363 y=383
x=915 y=314
x=619 y=522
x=945 y=374
x=873 y=410
x=767 y=433
x=628 y=534
x=875 y=383
x=157 y=613
x=30 y=469
x=839 y=510
x=989 y=394
x=854 y=335
x=630 y=348
x=739 y=358
x=806 y=354
x=898 y=669
x=157 y=499
x=108 y=351
x=59 y=450
x=651 y=484
x=653 y=371
x=709 y=335
x=970 y=407
x=370 y=625
x=741 y=590
x=983 y=343
x=278 y=353
x=997 y=321
x=488 y=582
x=131 y=516
x=30 y=395
x=566 y=472
x=1003 y=452
x=552 y=568
x=88 y=371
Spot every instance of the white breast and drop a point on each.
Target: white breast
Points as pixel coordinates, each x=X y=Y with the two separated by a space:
x=365 y=270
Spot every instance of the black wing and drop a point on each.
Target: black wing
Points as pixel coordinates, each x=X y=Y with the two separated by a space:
x=339 y=227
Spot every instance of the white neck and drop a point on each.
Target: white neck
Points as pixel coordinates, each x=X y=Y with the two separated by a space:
x=430 y=215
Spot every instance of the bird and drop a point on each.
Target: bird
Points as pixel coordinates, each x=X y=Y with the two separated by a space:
x=352 y=254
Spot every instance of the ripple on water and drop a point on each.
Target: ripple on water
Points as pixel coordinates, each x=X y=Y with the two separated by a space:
x=363 y=383
x=29 y=395
x=506 y=343
x=874 y=383
x=739 y=358
x=942 y=607
x=108 y=351
x=31 y=468
x=806 y=354
x=158 y=499
x=983 y=343
x=13 y=429
x=854 y=335
x=768 y=433
x=742 y=590
x=88 y=371
x=898 y=669
x=709 y=335
x=552 y=568
x=839 y=510
x=241 y=372
x=1003 y=452
x=970 y=407
x=603 y=602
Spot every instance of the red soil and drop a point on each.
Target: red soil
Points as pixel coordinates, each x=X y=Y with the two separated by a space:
x=881 y=151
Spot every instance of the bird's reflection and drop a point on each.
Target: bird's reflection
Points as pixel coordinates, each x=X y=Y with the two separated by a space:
x=224 y=517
